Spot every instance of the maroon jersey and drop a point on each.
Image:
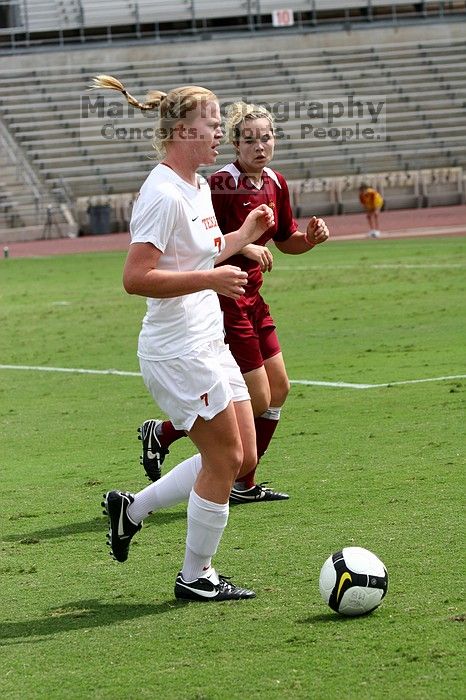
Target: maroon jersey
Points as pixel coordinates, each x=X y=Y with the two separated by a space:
x=234 y=196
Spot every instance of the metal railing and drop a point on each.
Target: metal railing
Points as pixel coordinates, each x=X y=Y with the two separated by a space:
x=28 y=23
x=42 y=199
x=15 y=156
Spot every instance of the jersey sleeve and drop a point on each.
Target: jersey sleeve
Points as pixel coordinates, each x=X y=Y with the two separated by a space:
x=154 y=219
x=286 y=224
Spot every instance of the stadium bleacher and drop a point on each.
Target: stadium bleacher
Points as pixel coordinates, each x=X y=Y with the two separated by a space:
x=78 y=150
x=37 y=22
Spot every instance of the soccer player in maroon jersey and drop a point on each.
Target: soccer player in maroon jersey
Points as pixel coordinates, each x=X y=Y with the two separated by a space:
x=250 y=331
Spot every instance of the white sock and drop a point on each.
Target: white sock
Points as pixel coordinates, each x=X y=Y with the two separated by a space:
x=206 y=523
x=272 y=413
x=174 y=487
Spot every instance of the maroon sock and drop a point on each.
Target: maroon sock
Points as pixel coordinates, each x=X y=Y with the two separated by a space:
x=265 y=428
x=167 y=433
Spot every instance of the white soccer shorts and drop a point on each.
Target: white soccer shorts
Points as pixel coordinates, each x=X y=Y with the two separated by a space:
x=201 y=383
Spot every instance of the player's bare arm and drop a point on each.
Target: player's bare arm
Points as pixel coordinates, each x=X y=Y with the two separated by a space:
x=141 y=277
x=299 y=242
x=260 y=254
x=255 y=224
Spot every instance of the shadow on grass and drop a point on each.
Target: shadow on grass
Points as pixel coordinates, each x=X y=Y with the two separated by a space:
x=82 y=614
x=94 y=525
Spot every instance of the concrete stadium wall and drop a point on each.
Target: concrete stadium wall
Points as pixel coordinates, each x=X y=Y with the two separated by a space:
x=374 y=35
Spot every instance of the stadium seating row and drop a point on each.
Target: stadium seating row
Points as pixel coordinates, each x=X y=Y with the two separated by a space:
x=32 y=16
x=81 y=144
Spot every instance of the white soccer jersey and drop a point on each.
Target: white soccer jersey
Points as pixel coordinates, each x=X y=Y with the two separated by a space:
x=179 y=220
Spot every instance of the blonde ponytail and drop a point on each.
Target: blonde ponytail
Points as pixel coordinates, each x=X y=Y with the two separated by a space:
x=174 y=106
x=108 y=82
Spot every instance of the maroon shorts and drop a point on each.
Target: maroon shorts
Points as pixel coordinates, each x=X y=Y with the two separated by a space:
x=249 y=331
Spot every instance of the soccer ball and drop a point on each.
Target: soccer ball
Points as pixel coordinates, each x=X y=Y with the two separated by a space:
x=353 y=581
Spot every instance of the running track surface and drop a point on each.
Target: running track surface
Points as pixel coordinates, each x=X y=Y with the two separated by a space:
x=405 y=223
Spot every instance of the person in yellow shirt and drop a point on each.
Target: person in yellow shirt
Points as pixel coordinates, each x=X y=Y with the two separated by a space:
x=372 y=201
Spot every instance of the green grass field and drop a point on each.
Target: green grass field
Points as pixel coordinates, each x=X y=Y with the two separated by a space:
x=382 y=468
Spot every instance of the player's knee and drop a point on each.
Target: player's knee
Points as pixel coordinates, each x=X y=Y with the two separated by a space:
x=285 y=389
x=233 y=460
x=280 y=392
x=226 y=463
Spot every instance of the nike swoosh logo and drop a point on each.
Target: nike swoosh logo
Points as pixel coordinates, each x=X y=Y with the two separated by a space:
x=150 y=454
x=345 y=577
x=203 y=594
x=121 y=531
x=196 y=217
x=245 y=204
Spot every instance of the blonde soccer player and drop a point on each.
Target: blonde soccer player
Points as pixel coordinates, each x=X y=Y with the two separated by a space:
x=185 y=364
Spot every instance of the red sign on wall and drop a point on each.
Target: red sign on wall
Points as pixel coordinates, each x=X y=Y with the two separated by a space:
x=283 y=18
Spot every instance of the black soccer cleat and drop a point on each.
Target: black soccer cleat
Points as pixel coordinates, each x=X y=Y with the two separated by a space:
x=153 y=452
x=121 y=529
x=255 y=494
x=204 y=590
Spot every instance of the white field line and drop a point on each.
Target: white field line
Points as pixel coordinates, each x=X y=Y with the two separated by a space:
x=347 y=385
x=72 y=370
x=304 y=382
x=382 y=266
x=403 y=233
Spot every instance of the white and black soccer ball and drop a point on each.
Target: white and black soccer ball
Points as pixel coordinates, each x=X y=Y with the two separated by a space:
x=353 y=581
